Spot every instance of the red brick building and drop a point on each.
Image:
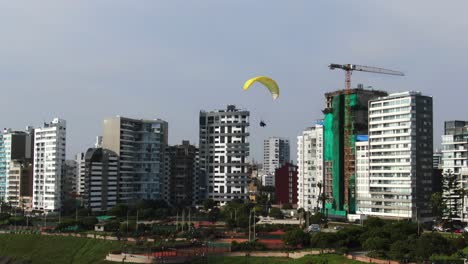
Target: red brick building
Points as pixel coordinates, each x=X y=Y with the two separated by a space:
x=286 y=184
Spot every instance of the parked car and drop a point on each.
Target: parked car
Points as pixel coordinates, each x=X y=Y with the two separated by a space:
x=313 y=228
x=338 y=227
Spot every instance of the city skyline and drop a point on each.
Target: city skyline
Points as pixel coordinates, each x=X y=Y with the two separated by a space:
x=143 y=60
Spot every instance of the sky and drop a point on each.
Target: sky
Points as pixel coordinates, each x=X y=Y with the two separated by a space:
x=87 y=60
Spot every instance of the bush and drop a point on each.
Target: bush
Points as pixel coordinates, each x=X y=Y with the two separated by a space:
x=66 y=223
x=323 y=240
x=247 y=246
x=89 y=222
x=296 y=237
x=276 y=213
x=112 y=226
x=376 y=244
x=17 y=220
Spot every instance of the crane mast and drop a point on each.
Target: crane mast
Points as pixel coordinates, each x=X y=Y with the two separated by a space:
x=348 y=131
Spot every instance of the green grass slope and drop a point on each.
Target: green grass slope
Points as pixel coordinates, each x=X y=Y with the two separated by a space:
x=319 y=259
x=55 y=249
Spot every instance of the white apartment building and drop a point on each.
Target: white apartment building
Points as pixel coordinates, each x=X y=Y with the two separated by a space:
x=401 y=146
x=455 y=158
x=268 y=180
x=80 y=173
x=223 y=153
x=101 y=179
x=276 y=152
x=140 y=145
x=49 y=165
x=310 y=167
x=363 y=201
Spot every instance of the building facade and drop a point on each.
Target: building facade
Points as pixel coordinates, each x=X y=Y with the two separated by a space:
x=346 y=116
x=183 y=181
x=20 y=184
x=276 y=152
x=401 y=147
x=455 y=159
x=223 y=153
x=101 y=179
x=268 y=180
x=310 y=167
x=80 y=172
x=69 y=182
x=49 y=165
x=14 y=146
x=362 y=176
x=140 y=145
x=286 y=184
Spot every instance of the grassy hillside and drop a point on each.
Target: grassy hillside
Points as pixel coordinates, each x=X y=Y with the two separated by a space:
x=329 y=259
x=51 y=249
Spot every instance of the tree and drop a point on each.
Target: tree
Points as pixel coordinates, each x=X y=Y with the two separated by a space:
x=276 y=213
x=112 y=226
x=376 y=244
x=89 y=222
x=323 y=240
x=431 y=244
x=400 y=250
x=213 y=215
x=119 y=210
x=319 y=185
x=296 y=237
x=208 y=204
x=439 y=206
x=450 y=187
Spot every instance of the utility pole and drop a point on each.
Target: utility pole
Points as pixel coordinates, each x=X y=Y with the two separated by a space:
x=250 y=219
x=183 y=219
x=136 y=224
x=177 y=221
x=254 y=224
x=417 y=218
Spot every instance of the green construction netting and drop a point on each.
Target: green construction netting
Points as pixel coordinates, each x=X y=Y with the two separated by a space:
x=334 y=124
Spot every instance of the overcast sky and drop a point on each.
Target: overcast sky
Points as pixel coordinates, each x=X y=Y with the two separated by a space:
x=86 y=60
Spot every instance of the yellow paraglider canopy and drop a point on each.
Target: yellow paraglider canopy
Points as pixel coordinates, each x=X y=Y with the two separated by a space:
x=269 y=83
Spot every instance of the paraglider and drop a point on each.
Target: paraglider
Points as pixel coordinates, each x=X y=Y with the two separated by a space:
x=262 y=124
x=269 y=83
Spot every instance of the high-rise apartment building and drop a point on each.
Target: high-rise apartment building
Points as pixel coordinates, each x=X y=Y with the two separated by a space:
x=346 y=116
x=80 y=173
x=286 y=184
x=310 y=167
x=223 y=153
x=69 y=180
x=363 y=197
x=182 y=182
x=14 y=146
x=101 y=179
x=49 y=165
x=437 y=159
x=400 y=156
x=140 y=145
x=275 y=154
x=455 y=159
x=20 y=184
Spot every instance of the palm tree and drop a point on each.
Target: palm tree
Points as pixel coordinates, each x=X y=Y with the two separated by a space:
x=319 y=185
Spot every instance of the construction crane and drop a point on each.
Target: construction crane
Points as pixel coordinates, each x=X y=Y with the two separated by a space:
x=349 y=157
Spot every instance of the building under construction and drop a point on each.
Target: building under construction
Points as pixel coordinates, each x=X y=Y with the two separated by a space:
x=346 y=117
